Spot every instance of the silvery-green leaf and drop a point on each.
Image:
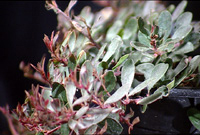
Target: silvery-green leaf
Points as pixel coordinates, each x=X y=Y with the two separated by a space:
x=121 y=60
x=70 y=5
x=115 y=43
x=72 y=41
x=128 y=72
x=91 y=130
x=87 y=15
x=120 y=93
x=179 y=9
x=70 y=92
x=183 y=20
x=99 y=54
x=143 y=39
x=185 y=49
x=130 y=28
x=114 y=30
x=158 y=94
x=165 y=23
x=81 y=112
x=182 y=32
x=140 y=47
x=73 y=126
x=156 y=74
x=146 y=69
x=84 y=98
x=194 y=63
x=194 y=117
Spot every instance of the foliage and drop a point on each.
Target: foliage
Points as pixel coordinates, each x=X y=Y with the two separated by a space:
x=127 y=53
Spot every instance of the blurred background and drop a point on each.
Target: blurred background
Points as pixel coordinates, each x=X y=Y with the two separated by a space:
x=22 y=28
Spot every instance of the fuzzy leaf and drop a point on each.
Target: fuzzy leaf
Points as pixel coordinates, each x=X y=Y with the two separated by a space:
x=58 y=91
x=115 y=43
x=121 y=60
x=194 y=117
x=128 y=72
x=183 y=20
x=120 y=93
x=110 y=81
x=146 y=69
x=114 y=30
x=165 y=23
x=143 y=39
x=157 y=73
x=84 y=98
x=140 y=47
x=81 y=112
x=99 y=54
x=182 y=32
x=130 y=28
x=70 y=92
x=179 y=9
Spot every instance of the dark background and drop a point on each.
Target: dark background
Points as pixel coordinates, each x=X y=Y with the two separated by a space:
x=22 y=28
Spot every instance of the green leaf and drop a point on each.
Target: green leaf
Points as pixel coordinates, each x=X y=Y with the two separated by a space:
x=143 y=39
x=91 y=130
x=179 y=9
x=128 y=72
x=72 y=62
x=70 y=92
x=182 y=32
x=81 y=57
x=114 y=30
x=194 y=117
x=120 y=93
x=101 y=67
x=87 y=15
x=115 y=43
x=82 y=99
x=142 y=28
x=121 y=60
x=39 y=133
x=58 y=91
x=64 y=129
x=194 y=63
x=156 y=74
x=146 y=69
x=113 y=128
x=183 y=20
x=140 y=47
x=99 y=54
x=72 y=41
x=158 y=94
x=130 y=28
x=165 y=23
x=73 y=126
x=110 y=81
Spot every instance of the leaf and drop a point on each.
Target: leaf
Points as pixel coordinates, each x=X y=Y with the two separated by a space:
x=149 y=5
x=70 y=5
x=130 y=28
x=113 y=128
x=58 y=91
x=96 y=116
x=114 y=30
x=70 y=92
x=120 y=93
x=158 y=94
x=179 y=9
x=87 y=15
x=146 y=69
x=142 y=28
x=72 y=41
x=194 y=63
x=110 y=81
x=73 y=126
x=143 y=39
x=101 y=67
x=72 y=62
x=165 y=24
x=115 y=43
x=39 y=133
x=84 y=98
x=156 y=74
x=81 y=112
x=182 y=32
x=139 y=47
x=91 y=130
x=99 y=54
x=194 y=117
x=121 y=60
x=64 y=129
x=128 y=72
x=183 y=20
